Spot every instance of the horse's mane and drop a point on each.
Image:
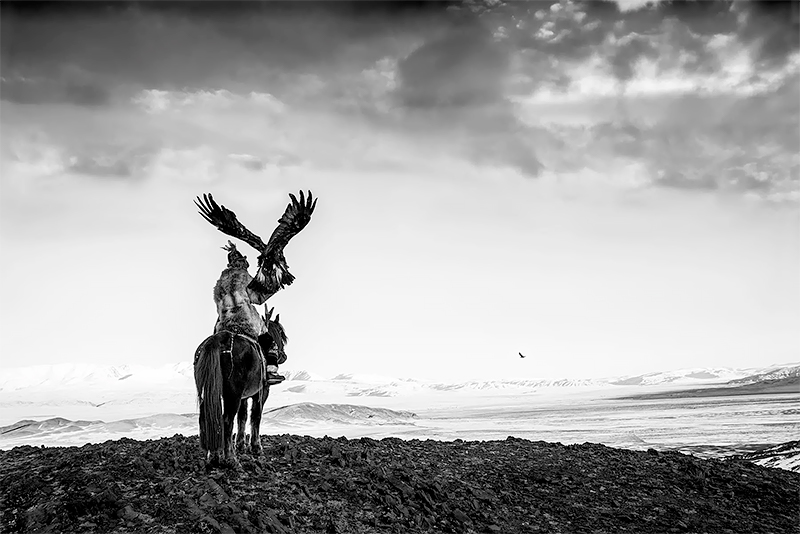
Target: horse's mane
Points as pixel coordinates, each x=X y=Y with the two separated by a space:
x=277 y=333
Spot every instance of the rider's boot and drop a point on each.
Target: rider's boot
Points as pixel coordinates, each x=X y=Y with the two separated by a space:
x=265 y=342
x=272 y=375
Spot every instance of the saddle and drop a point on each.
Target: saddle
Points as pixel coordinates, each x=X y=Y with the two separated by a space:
x=254 y=342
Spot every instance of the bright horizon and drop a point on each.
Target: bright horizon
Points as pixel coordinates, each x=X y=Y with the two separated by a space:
x=609 y=192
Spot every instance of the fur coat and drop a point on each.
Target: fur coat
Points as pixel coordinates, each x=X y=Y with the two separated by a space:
x=235 y=309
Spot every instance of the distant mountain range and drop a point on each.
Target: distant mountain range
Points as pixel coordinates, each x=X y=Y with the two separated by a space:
x=781 y=379
x=180 y=375
x=68 y=375
x=707 y=375
x=303 y=412
x=76 y=404
x=305 y=416
x=59 y=431
x=772 y=373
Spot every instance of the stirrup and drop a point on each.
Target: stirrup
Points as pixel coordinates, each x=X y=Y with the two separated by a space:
x=274 y=378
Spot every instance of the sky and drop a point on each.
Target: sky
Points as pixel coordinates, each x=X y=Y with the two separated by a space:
x=610 y=188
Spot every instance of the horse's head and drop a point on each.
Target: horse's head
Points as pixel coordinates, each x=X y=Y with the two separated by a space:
x=278 y=336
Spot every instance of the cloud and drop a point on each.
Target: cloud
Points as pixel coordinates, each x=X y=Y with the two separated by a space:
x=688 y=93
x=666 y=39
x=628 y=53
x=194 y=46
x=43 y=91
x=633 y=5
x=252 y=163
x=41 y=155
x=566 y=31
x=677 y=180
x=772 y=28
x=514 y=152
x=455 y=86
x=159 y=101
x=99 y=167
x=734 y=143
x=45 y=157
x=465 y=67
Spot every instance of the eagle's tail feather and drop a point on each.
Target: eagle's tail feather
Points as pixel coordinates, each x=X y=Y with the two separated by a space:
x=269 y=280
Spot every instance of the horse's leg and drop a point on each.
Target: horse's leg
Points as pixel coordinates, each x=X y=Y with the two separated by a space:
x=259 y=399
x=230 y=407
x=241 y=421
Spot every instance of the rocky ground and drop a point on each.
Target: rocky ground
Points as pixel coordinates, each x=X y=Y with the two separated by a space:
x=304 y=484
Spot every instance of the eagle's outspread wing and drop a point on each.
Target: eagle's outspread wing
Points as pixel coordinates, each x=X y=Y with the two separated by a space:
x=295 y=218
x=226 y=222
x=273 y=271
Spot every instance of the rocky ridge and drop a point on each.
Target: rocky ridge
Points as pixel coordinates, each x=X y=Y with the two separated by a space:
x=316 y=485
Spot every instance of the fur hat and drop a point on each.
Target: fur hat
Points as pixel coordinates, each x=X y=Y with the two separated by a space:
x=235 y=258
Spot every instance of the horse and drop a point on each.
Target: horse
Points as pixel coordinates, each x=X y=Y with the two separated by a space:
x=229 y=369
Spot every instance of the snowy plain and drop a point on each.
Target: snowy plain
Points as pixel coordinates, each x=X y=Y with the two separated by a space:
x=67 y=405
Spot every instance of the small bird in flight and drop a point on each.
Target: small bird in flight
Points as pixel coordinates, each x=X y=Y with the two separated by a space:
x=521 y=355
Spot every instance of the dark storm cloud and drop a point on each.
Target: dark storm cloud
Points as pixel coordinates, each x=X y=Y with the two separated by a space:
x=456 y=84
x=773 y=27
x=628 y=53
x=465 y=67
x=704 y=18
x=200 y=44
x=705 y=142
x=433 y=72
x=668 y=32
x=178 y=45
x=674 y=34
x=577 y=29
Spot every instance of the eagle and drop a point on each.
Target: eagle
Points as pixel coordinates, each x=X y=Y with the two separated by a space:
x=273 y=271
x=521 y=355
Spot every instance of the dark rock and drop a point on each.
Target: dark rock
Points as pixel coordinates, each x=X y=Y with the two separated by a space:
x=338 y=485
x=461 y=516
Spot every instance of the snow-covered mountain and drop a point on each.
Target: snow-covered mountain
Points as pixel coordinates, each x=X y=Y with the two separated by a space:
x=709 y=375
x=318 y=419
x=349 y=414
x=71 y=375
x=76 y=404
x=775 y=372
x=180 y=375
x=518 y=384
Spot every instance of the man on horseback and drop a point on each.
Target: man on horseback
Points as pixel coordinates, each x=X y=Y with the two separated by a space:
x=236 y=312
x=236 y=293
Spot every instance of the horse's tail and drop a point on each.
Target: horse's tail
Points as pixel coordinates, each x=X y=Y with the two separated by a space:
x=208 y=380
